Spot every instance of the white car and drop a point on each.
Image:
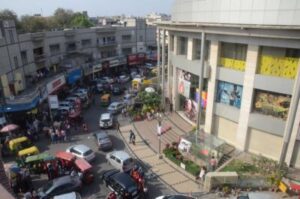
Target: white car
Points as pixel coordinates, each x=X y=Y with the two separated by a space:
x=124 y=78
x=82 y=151
x=115 y=107
x=106 y=120
x=82 y=91
x=108 y=80
x=174 y=197
x=71 y=195
x=120 y=160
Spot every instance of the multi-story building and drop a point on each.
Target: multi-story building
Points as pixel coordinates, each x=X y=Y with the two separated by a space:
x=241 y=58
x=21 y=56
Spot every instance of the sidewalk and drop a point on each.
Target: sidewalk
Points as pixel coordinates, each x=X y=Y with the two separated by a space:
x=146 y=150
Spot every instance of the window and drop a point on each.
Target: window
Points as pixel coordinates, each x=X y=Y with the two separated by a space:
x=197 y=49
x=269 y=103
x=141 y=38
x=54 y=49
x=126 y=51
x=172 y=43
x=16 y=61
x=230 y=94
x=126 y=37
x=234 y=51
x=24 y=57
x=112 y=157
x=11 y=36
x=183 y=45
x=118 y=160
x=292 y=53
x=86 y=42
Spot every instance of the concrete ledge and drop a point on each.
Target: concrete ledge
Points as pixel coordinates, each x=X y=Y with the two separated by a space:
x=214 y=179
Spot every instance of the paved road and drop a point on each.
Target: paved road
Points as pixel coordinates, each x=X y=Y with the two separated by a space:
x=97 y=189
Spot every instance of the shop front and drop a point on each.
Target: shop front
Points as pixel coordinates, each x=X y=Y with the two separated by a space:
x=189 y=96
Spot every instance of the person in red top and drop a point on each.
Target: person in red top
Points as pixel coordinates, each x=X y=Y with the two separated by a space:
x=111 y=195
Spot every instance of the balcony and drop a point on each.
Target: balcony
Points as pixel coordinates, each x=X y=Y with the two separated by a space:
x=107 y=44
x=37 y=37
x=101 y=30
x=234 y=64
x=70 y=33
x=39 y=57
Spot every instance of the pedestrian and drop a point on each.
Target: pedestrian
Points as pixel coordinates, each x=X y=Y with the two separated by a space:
x=131 y=136
x=202 y=174
x=84 y=127
x=133 y=139
x=171 y=107
x=52 y=135
x=63 y=135
x=213 y=163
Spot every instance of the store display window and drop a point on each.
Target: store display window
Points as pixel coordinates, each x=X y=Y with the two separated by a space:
x=230 y=94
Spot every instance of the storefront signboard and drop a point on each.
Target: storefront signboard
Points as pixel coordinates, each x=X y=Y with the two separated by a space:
x=56 y=84
x=74 y=75
x=53 y=102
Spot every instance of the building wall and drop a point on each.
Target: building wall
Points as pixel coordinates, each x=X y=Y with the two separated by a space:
x=267 y=12
x=260 y=142
x=242 y=127
x=29 y=41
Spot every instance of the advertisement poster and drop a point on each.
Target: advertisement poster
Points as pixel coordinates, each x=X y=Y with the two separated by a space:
x=190 y=109
x=184 y=87
x=203 y=98
x=229 y=94
x=274 y=104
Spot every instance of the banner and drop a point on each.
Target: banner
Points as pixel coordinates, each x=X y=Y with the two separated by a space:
x=53 y=101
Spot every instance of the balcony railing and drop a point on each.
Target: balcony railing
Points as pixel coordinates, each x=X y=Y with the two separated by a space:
x=39 y=57
x=105 y=44
x=234 y=64
x=106 y=30
x=39 y=36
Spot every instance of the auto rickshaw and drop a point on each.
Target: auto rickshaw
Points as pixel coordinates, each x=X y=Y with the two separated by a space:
x=66 y=158
x=85 y=169
x=20 y=146
x=36 y=163
x=105 y=100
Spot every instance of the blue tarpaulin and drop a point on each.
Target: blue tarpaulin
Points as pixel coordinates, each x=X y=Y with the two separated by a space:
x=73 y=76
x=21 y=106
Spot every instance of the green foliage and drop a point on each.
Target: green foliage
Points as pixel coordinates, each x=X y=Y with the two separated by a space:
x=33 y=23
x=259 y=165
x=175 y=156
x=81 y=21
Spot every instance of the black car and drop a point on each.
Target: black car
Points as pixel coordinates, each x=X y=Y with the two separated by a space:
x=121 y=183
x=117 y=90
x=60 y=185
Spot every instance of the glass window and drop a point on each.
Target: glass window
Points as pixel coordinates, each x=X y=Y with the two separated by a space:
x=234 y=51
x=230 y=94
x=270 y=103
x=183 y=46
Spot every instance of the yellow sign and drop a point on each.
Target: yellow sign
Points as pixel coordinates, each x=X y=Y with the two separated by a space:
x=147 y=82
x=282 y=187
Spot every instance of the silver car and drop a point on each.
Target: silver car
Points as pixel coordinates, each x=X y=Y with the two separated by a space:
x=120 y=160
x=82 y=151
x=106 y=120
x=115 y=107
x=103 y=141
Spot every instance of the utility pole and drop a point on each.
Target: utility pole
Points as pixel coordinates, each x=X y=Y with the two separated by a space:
x=158 y=57
x=163 y=63
x=200 y=85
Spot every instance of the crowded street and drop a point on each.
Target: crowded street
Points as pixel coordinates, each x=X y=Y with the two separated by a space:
x=77 y=134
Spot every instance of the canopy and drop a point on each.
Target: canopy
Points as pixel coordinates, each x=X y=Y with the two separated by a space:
x=65 y=156
x=82 y=165
x=9 y=127
x=41 y=156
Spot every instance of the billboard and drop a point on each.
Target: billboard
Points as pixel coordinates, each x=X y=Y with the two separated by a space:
x=229 y=93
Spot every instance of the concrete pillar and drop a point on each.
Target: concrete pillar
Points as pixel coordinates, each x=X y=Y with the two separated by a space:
x=169 y=81
x=290 y=131
x=158 y=56
x=247 y=96
x=176 y=45
x=295 y=132
x=190 y=50
x=211 y=87
x=163 y=67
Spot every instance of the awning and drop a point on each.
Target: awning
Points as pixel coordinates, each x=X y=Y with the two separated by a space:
x=21 y=106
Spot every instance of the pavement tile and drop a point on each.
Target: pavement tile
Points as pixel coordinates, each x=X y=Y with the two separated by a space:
x=187 y=187
x=143 y=153
x=162 y=169
x=153 y=160
x=173 y=178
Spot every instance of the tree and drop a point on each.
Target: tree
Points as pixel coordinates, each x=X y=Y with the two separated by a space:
x=34 y=23
x=62 y=17
x=81 y=21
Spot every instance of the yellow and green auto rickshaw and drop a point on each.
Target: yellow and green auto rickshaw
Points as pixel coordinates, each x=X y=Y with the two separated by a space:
x=36 y=163
x=105 y=100
x=21 y=146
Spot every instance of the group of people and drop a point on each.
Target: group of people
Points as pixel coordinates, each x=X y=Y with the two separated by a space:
x=59 y=133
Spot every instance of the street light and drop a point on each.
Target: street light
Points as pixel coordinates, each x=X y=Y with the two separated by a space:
x=159 y=120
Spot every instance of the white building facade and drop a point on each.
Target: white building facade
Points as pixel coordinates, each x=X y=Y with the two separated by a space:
x=241 y=58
